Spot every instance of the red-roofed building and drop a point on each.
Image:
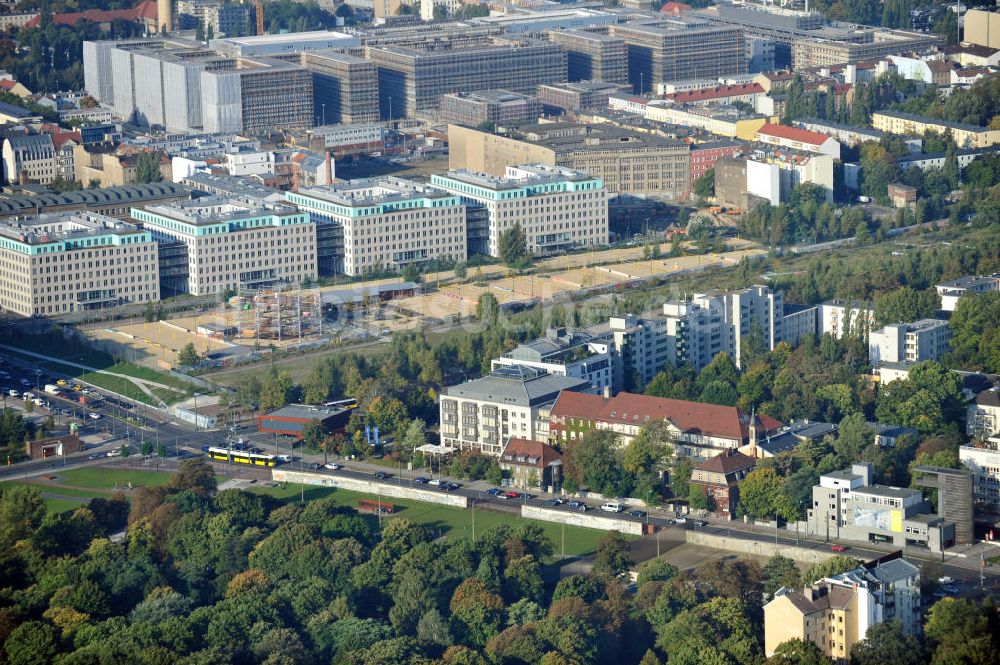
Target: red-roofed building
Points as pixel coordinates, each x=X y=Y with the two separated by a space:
x=704 y=155
x=726 y=94
x=674 y=8
x=799 y=139
x=719 y=477
x=532 y=464
x=13 y=87
x=143 y=13
x=700 y=430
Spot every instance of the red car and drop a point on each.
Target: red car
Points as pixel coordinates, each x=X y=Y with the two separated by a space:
x=837 y=548
x=511 y=495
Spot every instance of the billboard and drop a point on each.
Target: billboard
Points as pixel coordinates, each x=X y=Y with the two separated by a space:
x=879 y=518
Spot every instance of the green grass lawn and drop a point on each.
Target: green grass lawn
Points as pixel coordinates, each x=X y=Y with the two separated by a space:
x=62 y=505
x=106 y=479
x=119 y=385
x=140 y=372
x=446 y=521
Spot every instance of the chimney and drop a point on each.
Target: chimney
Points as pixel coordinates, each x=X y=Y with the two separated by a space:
x=753 y=434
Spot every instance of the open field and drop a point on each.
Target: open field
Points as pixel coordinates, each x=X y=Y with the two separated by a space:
x=156 y=341
x=70 y=489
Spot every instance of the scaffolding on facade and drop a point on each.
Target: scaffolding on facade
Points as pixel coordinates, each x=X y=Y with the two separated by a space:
x=279 y=315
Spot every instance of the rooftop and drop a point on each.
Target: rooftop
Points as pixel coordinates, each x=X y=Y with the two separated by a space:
x=793 y=134
x=518 y=385
x=12 y=205
x=49 y=228
x=932 y=121
x=519 y=176
x=525 y=452
x=717 y=92
x=495 y=96
x=970 y=282
x=372 y=191
x=305 y=412
x=216 y=209
x=886 y=491
x=727 y=462
x=863 y=131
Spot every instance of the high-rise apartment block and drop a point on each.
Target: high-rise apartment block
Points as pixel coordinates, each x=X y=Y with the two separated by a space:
x=496 y=107
x=921 y=340
x=679 y=51
x=214 y=244
x=413 y=79
x=345 y=87
x=557 y=208
x=74 y=261
x=591 y=56
x=845 y=317
x=386 y=223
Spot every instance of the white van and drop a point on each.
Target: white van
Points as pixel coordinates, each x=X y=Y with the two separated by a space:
x=613 y=507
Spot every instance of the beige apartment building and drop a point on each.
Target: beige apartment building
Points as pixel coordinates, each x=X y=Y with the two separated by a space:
x=110 y=165
x=214 y=244
x=982 y=27
x=964 y=135
x=386 y=223
x=626 y=161
x=74 y=261
x=557 y=208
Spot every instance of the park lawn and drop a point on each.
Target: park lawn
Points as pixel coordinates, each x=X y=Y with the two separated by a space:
x=68 y=492
x=57 y=506
x=140 y=372
x=447 y=521
x=106 y=479
x=168 y=396
x=118 y=385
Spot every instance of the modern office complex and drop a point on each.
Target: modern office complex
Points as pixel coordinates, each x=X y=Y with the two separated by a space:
x=565 y=353
x=591 y=56
x=257 y=96
x=627 y=162
x=481 y=415
x=495 y=107
x=214 y=244
x=412 y=79
x=283 y=44
x=345 y=87
x=557 y=208
x=579 y=95
x=846 y=504
x=679 y=51
x=921 y=340
x=74 y=261
x=386 y=223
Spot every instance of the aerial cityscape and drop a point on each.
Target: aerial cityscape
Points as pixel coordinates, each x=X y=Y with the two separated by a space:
x=455 y=332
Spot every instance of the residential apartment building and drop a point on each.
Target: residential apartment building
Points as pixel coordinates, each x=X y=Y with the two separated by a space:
x=982 y=27
x=842 y=317
x=982 y=420
x=592 y=56
x=848 y=135
x=678 y=50
x=908 y=124
x=214 y=244
x=386 y=223
x=719 y=477
x=799 y=139
x=572 y=354
x=727 y=121
x=56 y=263
x=577 y=96
x=951 y=292
x=495 y=107
x=29 y=158
x=557 y=208
x=626 y=161
x=921 y=340
x=984 y=463
x=412 y=79
x=481 y=415
x=345 y=87
x=350 y=139
x=836 y=613
x=704 y=155
x=111 y=165
x=847 y=505
x=699 y=430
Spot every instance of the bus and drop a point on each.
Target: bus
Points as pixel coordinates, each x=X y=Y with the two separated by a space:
x=241 y=457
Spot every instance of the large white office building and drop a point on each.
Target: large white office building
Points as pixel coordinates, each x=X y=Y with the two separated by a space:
x=74 y=261
x=387 y=223
x=214 y=244
x=558 y=208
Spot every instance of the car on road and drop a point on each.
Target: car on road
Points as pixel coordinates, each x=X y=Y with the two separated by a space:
x=283 y=458
x=94 y=416
x=612 y=507
x=950 y=589
x=333 y=467
x=699 y=524
x=578 y=505
x=680 y=520
x=117 y=452
x=638 y=513
x=946 y=580
x=380 y=475
x=96 y=456
x=554 y=502
x=60 y=382
x=420 y=480
x=450 y=487
x=312 y=466
x=837 y=548
x=494 y=492
x=434 y=481
x=13 y=393
x=508 y=495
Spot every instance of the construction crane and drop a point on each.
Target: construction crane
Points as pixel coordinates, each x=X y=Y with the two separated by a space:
x=258 y=8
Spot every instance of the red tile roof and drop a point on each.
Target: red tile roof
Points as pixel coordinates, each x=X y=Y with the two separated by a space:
x=145 y=10
x=674 y=7
x=793 y=134
x=728 y=462
x=717 y=93
x=525 y=452
x=726 y=422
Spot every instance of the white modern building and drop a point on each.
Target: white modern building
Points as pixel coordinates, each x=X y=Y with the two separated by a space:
x=570 y=354
x=481 y=415
x=984 y=463
x=951 y=292
x=214 y=244
x=982 y=419
x=772 y=176
x=284 y=44
x=388 y=223
x=558 y=208
x=75 y=261
x=843 y=317
x=921 y=340
x=30 y=158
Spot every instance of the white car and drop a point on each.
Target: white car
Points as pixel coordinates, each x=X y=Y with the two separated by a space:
x=680 y=520
x=94 y=416
x=332 y=466
x=613 y=507
x=115 y=453
x=434 y=481
x=13 y=393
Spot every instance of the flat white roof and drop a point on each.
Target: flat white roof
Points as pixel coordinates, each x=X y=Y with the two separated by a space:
x=290 y=37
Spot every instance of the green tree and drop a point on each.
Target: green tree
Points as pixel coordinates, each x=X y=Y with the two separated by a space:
x=714 y=632
x=21 y=512
x=656 y=570
x=513 y=247
x=147 y=168
x=961 y=631
x=187 y=355
x=975 y=325
x=488 y=309
x=929 y=399
x=461 y=270
x=614 y=558
x=886 y=643
x=312 y=434
x=680 y=476
x=779 y=571
x=704 y=186
x=835 y=565
x=797 y=652
x=904 y=305
x=31 y=643
x=762 y=495
x=698 y=499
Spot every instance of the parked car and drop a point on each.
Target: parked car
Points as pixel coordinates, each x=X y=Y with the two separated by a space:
x=332 y=466
x=380 y=475
x=950 y=588
x=837 y=548
x=117 y=452
x=612 y=507
x=494 y=492
x=94 y=416
x=946 y=580
x=578 y=505
x=13 y=393
x=555 y=502
x=699 y=524
x=450 y=487
x=96 y=456
x=510 y=495
x=434 y=481
x=420 y=480
x=638 y=513
x=680 y=520
x=312 y=466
